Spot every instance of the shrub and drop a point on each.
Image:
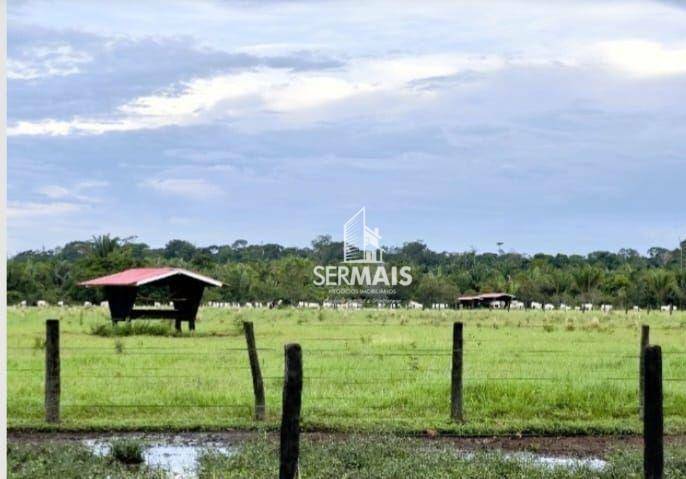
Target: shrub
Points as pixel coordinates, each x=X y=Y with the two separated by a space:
x=109 y=330
x=127 y=451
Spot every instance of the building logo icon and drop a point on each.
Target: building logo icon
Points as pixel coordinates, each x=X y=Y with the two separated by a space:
x=361 y=243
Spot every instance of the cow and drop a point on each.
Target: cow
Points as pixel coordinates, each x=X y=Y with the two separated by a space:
x=636 y=309
x=587 y=307
x=516 y=305
x=87 y=304
x=606 y=308
x=104 y=304
x=549 y=307
x=42 y=303
x=60 y=304
x=536 y=305
x=415 y=305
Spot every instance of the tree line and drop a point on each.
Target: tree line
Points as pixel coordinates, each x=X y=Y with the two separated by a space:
x=269 y=272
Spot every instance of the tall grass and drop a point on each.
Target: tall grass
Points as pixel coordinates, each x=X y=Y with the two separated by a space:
x=364 y=370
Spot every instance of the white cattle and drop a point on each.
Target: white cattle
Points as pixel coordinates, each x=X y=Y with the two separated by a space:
x=668 y=308
x=352 y=305
x=606 y=308
x=60 y=304
x=414 y=305
x=636 y=309
x=305 y=304
x=565 y=307
x=87 y=304
x=496 y=304
x=104 y=304
x=23 y=303
x=41 y=303
x=439 y=306
x=548 y=307
x=577 y=308
x=535 y=305
x=516 y=305
x=587 y=307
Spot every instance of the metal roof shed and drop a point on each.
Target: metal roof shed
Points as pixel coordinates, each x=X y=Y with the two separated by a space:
x=485 y=299
x=185 y=287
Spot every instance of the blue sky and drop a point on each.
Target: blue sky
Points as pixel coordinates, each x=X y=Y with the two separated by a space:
x=550 y=126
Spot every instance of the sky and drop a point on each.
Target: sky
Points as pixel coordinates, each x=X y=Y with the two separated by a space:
x=549 y=126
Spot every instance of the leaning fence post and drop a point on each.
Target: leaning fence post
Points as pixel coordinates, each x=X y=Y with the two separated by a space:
x=653 y=427
x=257 y=383
x=52 y=371
x=456 y=382
x=645 y=340
x=290 y=419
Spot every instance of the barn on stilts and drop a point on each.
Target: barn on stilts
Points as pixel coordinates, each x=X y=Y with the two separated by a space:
x=185 y=289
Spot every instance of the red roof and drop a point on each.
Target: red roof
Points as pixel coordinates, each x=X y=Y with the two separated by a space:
x=141 y=276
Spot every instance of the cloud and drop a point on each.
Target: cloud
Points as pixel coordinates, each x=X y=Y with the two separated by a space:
x=74 y=192
x=46 y=61
x=186 y=188
x=54 y=191
x=89 y=184
x=17 y=210
x=644 y=58
x=253 y=97
x=51 y=79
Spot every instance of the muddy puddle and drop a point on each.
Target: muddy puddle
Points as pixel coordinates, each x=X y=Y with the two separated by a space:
x=177 y=456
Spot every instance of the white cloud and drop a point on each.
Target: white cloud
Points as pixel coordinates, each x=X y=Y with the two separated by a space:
x=90 y=184
x=644 y=58
x=24 y=210
x=54 y=191
x=252 y=94
x=46 y=61
x=74 y=192
x=187 y=188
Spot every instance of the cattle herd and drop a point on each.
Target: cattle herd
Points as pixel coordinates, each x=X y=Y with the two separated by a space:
x=385 y=304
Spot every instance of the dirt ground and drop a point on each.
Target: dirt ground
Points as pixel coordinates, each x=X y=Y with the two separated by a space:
x=575 y=446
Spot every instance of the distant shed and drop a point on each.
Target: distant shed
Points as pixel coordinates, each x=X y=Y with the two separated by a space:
x=185 y=289
x=485 y=299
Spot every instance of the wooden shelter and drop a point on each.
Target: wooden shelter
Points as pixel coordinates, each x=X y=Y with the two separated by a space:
x=185 y=290
x=485 y=299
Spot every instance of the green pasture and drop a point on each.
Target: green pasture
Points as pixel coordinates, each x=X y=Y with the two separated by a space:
x=525 y=372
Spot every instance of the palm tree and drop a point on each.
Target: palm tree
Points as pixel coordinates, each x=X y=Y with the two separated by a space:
x=103 y=245
x=587 y=278
x=661 y=286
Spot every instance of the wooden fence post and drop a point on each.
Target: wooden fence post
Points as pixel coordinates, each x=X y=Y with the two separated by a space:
x=456 y=379
x=257 y=383
x=290 y=419
x=653 y=427
x=645 y=341
x=52 y=371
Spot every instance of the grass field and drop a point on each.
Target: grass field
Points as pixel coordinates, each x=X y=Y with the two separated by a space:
x=525 y=372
